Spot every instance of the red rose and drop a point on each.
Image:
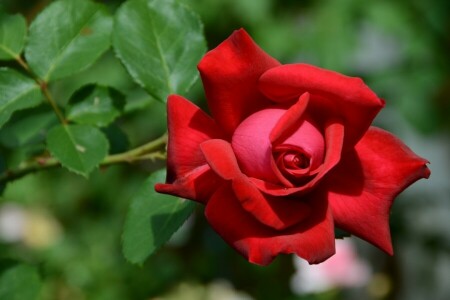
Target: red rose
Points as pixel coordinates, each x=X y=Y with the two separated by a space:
x=287 y=156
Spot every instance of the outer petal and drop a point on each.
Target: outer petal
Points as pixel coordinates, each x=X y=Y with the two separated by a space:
x=333 y=95
x=188 y=174
x=276 y=212
x=197 y=185
x=363 y=187
x=230 y=76
x=220 y=156
x=312 y=240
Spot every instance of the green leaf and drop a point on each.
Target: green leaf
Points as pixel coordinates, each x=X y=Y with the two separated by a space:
x=13 y=31
x=95 y=105
x=27 y=127
x=80 y=148
x=117 y=138
x=16 y=92
x=20 y=282
x=160 y=43
x=67 y=37
x=152 y=219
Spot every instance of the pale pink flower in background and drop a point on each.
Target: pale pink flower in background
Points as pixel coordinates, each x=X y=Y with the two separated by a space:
x=343 y=270
x=12 y=222
x=35 y=228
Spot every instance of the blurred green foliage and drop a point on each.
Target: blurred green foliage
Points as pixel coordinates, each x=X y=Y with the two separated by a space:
x=401 y=49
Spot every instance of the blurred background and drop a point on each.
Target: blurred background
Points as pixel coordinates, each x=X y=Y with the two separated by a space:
x=71 y=228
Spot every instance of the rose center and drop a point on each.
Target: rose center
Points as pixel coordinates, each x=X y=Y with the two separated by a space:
x=296 y=160
x=294 y=163
x=293 y=158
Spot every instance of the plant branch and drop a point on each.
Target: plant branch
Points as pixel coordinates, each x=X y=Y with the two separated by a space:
x=137 y=152
x=24 y=65
x=44 y=88
x=151 y=151
x=52 y=102
x=25 y=168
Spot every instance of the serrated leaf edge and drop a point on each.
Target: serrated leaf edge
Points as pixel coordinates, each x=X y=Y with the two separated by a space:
x=84 y=174
x=157 y=247
x=52 y=66
x=136 y=76
x=180 y=201
x=33 y=87
x=9 y=50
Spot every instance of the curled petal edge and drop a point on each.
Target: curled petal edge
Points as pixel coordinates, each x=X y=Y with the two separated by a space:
x=334 y=140
x=270 y=212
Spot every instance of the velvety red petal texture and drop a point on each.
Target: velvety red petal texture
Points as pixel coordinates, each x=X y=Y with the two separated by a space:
x=290 y=119
x=333 y=95
x=221 y=158
x=362 y=188
x=308 y=138
x=252 y=145
x=230 y=74
x=312 y=240
x=276 y=213
x=188 y=174
x=252 y=140
x=334 y=137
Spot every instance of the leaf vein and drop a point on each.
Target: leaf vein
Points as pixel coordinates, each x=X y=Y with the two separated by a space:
x=162 y=57
x=60 y=55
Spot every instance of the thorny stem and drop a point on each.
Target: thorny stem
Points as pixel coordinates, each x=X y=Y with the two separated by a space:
x=150 y=151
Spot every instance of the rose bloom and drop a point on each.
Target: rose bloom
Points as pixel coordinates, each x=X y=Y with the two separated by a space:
x=287 y=155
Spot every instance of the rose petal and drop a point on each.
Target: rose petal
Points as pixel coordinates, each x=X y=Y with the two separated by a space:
x=252 y=140
x=276 y=213
x=312 y=240
x=332 y=95
x=252 y=146
x=363 y=186
x=290 y=119
x=188 y=127
x=230 y=75
x=310 y=140
x=334 y=138
x=196 y=185
x=221 y=158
